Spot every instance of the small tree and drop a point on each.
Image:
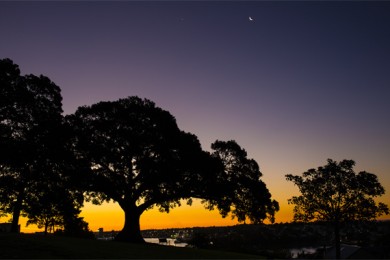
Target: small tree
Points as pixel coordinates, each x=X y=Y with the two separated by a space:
x=48 y=218
x=336 y=194
x=52 y=204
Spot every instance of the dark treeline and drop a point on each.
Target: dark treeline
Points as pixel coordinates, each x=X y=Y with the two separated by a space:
x=129 y=151
x=132 y=152
x=37 y=167
x=276 y=240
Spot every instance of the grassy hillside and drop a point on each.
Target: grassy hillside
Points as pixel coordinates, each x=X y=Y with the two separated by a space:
x=39 y=246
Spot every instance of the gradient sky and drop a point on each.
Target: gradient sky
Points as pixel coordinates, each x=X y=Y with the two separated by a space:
x=303 y=82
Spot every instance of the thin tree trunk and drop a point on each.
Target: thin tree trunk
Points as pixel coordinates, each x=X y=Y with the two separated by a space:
x=131 y=231
x=19 y=201
x=16 y=213
x=337 y=239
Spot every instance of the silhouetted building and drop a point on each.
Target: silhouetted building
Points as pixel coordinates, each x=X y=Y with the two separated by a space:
x=100 y=232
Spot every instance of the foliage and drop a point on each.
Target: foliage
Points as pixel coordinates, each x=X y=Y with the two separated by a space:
x=75 y=226
x=200 y=240
x=35 y=164
x=137 y=155
x=272 y=240
x=239 y=187
x=140 y=158
x=335 y=193
x=129 y=151
x=53 y=209
x=49 y=218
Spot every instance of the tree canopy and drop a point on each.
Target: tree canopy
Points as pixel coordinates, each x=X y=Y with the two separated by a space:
x=33 y=157
x=335 y=193
x=241 y=190
x=129 y=151
x=139 y=158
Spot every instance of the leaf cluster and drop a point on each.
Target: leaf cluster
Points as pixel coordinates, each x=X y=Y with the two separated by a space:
x=128 y=150
x=241 y=190
x=335 y=193
x=36 y=166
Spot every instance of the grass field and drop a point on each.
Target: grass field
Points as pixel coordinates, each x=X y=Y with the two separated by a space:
x=39 y=246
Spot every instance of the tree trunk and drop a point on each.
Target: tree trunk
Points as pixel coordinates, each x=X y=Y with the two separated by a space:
x=15 y=221
x=46 y=227
x=16 y=213
x=337 y=239
x=131 y=231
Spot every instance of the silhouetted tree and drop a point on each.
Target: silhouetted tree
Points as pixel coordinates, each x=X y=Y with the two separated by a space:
x=47 y=218
x=140 y=158
x=75 y=226
x=30 y=120
x=239 y=187
x=53 y=204
x=336 y=194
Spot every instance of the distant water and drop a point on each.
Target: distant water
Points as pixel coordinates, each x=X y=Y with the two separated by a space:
x=170 y=242
x=307 y=250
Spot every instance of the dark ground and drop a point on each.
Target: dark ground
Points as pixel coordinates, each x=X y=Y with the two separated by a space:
x=22 y=246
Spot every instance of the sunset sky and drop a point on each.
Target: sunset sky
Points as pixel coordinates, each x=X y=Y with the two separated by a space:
x=300 y=83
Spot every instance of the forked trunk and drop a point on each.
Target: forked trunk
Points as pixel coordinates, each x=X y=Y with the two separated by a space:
x=131 y=231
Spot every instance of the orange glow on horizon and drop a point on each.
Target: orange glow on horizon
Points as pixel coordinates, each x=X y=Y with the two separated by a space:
x=110 y=216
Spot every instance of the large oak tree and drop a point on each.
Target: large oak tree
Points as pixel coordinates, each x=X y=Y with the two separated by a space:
x=139 y=158
x=336 y=194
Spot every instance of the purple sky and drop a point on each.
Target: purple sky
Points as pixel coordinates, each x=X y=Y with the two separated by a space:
x=303 y=82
